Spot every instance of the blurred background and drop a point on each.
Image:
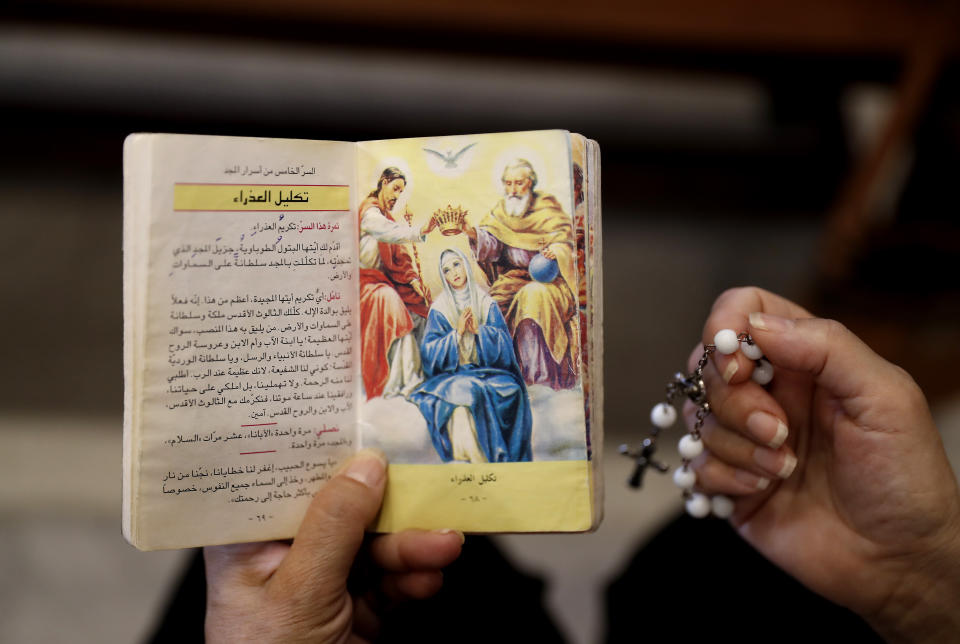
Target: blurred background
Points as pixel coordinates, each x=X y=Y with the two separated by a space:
x=809 y=147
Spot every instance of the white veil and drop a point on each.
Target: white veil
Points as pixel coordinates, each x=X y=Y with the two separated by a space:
x=452 y=303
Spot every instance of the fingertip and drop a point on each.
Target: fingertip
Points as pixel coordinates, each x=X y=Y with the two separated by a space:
x=368 y=467
x=766 y=428
x=779 y=462
x=413 y=585
x=450 y=548
x=760 y=321
x=717 y=477
x=417 y=549
x=730 y=370
x=443 y=548
x=734 y=368
x=333 y=525
x=457 y=533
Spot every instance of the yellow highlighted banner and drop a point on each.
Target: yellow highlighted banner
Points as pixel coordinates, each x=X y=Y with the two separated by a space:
x=233 y=197
x=545 y=496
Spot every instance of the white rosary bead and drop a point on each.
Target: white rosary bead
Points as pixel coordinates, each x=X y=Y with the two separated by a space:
x=722 y=506
x=762 y=373
x=690 y=447
x=726 y=341
x=752 y=351
x=698 y=505
x=663 y=415
x=685 y=477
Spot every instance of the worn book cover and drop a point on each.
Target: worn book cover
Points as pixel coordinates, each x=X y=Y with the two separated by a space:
x=289 y=302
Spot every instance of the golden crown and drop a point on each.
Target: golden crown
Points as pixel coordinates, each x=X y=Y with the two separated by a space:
x=450 y=219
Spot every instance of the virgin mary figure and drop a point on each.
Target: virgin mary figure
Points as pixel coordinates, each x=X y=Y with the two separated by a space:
x=473 y=399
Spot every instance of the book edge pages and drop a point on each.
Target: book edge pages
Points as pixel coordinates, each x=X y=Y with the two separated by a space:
x=137 y=159
x=595 y=454
x=596 y=325
x=595 y=460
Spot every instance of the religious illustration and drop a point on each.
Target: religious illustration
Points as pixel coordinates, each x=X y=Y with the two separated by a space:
x=393 y=301
x=469 y=300
x=525 y=246
x=474 y=402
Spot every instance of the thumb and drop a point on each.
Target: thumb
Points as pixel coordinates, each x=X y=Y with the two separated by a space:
x=332 y=530
x=837 y=359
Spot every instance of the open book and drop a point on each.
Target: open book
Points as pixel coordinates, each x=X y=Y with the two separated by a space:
x=289 y=302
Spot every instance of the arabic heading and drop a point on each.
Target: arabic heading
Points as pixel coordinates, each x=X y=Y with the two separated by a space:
x=260 y=197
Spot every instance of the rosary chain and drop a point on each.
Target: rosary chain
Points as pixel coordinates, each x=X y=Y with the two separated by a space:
x=698 y=393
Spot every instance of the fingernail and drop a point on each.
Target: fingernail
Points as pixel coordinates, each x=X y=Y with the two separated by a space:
x=772 y=323
x=731 y=369
x=456 y=532
x=751 y=479
x=367 y=466
x=775 y=462
x=789 y=464
x=767 y=428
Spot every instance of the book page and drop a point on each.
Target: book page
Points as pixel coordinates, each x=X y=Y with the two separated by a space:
x=248 y=397
x=480 y=406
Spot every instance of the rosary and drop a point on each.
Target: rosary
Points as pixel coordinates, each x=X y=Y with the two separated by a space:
x=664 y=415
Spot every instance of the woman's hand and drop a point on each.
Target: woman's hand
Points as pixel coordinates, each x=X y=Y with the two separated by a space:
x=467 y=323
x=283 y=592
x=840 y=472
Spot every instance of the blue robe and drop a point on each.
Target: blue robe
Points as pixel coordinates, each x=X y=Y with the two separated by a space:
x=493 y=389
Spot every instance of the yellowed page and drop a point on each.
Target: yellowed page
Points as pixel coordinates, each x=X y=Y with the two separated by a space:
x=542 y=481
x=247 y=399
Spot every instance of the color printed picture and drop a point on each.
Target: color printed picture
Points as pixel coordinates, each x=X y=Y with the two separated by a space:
x=469 y=311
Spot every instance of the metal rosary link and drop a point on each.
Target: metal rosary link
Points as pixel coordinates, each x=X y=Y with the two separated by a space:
x=693 y=387
x=697 y=391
